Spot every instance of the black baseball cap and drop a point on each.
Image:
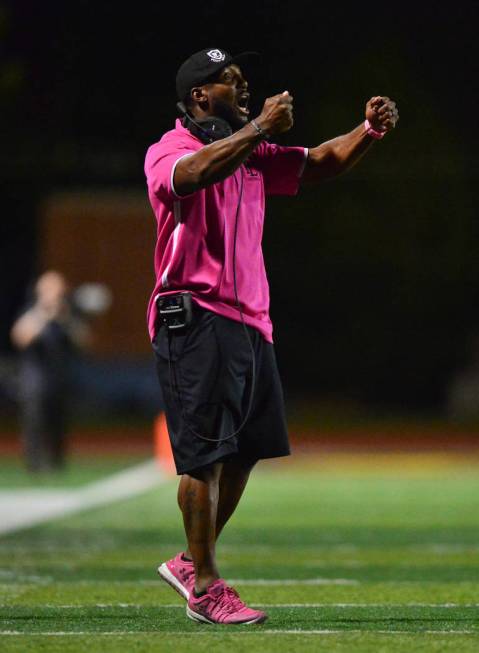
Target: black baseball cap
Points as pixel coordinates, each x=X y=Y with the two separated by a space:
x=204 y=65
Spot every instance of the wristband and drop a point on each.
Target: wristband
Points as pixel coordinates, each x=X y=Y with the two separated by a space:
x=260 y=131
x=374 y=133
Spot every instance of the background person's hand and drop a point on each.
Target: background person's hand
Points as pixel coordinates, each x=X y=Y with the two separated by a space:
x=277 y=114
x=382 y=113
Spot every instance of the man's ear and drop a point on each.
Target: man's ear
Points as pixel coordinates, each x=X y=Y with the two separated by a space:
x=199 y=96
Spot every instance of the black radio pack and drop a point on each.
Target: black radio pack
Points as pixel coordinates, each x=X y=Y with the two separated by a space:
x=175 y=310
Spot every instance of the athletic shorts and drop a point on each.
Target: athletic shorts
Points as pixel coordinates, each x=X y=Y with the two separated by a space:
x=205 y=373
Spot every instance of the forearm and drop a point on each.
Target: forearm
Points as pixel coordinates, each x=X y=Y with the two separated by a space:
x=28 y=327
x=216 y=161
x=337 y=155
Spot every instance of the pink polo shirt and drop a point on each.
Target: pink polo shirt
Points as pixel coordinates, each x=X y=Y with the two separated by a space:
x=194 y=249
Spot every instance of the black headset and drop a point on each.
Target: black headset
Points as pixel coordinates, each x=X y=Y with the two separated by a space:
x=207 y=130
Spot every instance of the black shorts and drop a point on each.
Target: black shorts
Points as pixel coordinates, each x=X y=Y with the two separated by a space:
x=205 y=374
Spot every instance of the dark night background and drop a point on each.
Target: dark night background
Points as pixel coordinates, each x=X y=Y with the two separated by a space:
x=382 y=263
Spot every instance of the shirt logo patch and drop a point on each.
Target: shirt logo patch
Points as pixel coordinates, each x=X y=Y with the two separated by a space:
x=216 y=55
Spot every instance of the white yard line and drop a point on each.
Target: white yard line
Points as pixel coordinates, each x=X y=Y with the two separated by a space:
x=164 y=606
x=266 y=582
x=255 y=630
x=20 y=509
x=292 y=581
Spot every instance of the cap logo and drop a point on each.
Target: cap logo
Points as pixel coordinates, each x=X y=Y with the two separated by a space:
x=216 y=55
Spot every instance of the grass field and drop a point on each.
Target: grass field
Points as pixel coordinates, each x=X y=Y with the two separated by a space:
x=367 y=553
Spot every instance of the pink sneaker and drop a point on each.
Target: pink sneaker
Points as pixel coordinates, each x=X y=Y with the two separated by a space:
x=222 y=605
x=180 y=574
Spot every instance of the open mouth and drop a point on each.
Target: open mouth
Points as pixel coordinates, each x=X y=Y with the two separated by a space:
x=243 y=103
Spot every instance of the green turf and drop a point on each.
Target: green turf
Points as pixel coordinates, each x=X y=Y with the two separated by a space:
x=385 y=560
x=79 y=470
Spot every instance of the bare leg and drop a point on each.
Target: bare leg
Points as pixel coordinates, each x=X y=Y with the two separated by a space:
x=232 y=483
x=198 y=500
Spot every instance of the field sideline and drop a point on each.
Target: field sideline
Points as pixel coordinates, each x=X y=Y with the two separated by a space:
x=345 y=552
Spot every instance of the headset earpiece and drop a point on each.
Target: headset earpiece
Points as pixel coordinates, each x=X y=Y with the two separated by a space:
x=207 y=130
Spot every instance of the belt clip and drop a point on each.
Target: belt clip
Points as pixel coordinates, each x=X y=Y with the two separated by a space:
x=175 y=310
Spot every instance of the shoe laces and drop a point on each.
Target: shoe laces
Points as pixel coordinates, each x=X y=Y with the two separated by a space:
x=187 y=571
x=230 y=600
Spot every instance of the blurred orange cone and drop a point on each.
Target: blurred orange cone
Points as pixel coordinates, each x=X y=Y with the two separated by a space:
x=163 y=453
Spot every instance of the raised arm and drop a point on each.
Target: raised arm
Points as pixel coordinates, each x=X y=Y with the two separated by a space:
x=220 y=159
x=29 y=326
x=341 y=153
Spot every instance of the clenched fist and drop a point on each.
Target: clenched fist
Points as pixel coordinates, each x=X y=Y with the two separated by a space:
x=382 y=113
x=277 y=114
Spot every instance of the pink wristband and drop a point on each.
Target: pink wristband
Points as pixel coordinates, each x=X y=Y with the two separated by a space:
x=374 y=133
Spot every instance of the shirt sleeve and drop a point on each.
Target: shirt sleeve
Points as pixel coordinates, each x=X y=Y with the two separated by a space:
x=160 y=163
x=281 y=166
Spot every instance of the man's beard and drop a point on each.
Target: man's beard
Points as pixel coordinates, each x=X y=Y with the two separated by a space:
x=228 y=112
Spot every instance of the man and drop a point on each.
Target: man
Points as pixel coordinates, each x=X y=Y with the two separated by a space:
x=46 y=334
x=216 y=364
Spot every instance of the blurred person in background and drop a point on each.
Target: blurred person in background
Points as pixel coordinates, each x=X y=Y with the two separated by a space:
x=209 y=312
x=47 y=334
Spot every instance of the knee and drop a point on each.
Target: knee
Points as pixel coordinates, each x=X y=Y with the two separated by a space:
x=200 y=485
x=198 y=481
